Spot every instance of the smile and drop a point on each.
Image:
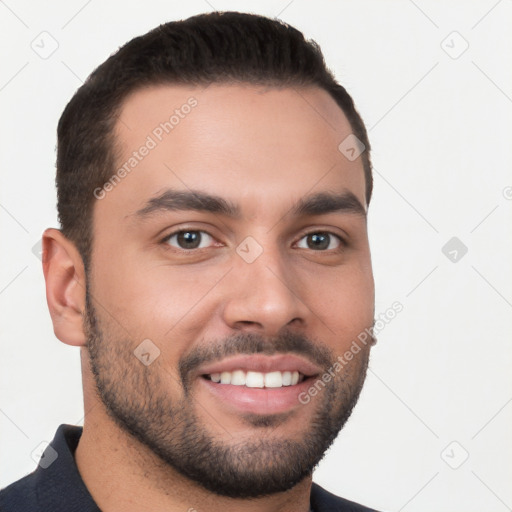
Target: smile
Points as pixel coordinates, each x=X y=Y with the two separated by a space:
x=252 y=379
x=257 y=383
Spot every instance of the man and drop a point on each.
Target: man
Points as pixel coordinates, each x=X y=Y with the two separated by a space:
x=213 y=265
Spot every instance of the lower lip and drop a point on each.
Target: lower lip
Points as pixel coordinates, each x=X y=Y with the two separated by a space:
x=257 y=400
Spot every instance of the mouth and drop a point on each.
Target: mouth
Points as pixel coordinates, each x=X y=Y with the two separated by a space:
x=252 y=379
x=257 y=384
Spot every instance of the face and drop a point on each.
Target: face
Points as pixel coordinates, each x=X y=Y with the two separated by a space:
x=230 y=274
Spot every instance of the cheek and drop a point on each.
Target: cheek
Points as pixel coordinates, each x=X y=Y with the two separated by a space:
x=154 y=300
x=345 y=302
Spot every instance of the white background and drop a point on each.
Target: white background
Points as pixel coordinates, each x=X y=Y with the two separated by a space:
x=441 y=134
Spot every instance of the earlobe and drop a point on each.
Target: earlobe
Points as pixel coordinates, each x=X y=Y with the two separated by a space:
x=65 y=287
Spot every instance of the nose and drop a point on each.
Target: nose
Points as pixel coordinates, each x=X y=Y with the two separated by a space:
x=264 y=296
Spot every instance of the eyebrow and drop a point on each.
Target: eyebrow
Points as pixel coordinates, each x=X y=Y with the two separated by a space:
x=328 y=202
x=316 y=204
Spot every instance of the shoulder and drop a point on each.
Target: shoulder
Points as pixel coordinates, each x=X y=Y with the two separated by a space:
x=324 y=501
x=56 y=484
x=20 y=496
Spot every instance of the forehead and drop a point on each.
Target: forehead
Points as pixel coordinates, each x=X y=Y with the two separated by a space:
x=261 y=146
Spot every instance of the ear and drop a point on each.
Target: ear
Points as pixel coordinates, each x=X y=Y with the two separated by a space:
x=64 y=274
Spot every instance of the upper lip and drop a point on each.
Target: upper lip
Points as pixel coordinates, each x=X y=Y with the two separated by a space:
x=262 y=363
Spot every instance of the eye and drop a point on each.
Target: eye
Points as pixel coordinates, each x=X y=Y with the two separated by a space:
x=320 y=241
x=189 y=239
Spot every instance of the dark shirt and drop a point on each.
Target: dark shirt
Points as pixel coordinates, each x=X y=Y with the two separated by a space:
x=56 y=484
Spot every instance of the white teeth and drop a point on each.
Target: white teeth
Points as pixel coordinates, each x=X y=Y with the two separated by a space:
x=257 y=379
x=273 y=380
x=238 y=378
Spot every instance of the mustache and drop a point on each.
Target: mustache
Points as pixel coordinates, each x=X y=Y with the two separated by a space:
x=253 y=343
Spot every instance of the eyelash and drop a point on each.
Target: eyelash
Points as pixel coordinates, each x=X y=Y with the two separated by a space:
x=342 y=241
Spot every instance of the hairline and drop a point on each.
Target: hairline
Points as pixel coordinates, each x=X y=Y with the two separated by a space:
x=115 y=144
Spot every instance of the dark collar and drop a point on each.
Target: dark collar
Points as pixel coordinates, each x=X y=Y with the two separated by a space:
x=60 y=486
x=56 y=484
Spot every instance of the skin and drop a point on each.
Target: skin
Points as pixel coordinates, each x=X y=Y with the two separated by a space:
x=262 y=149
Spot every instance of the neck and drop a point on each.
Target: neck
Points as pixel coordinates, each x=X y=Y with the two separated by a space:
x=124 y=475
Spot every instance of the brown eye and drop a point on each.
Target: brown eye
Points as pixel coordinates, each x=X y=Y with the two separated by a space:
x=320 y=241
x=190 y=239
